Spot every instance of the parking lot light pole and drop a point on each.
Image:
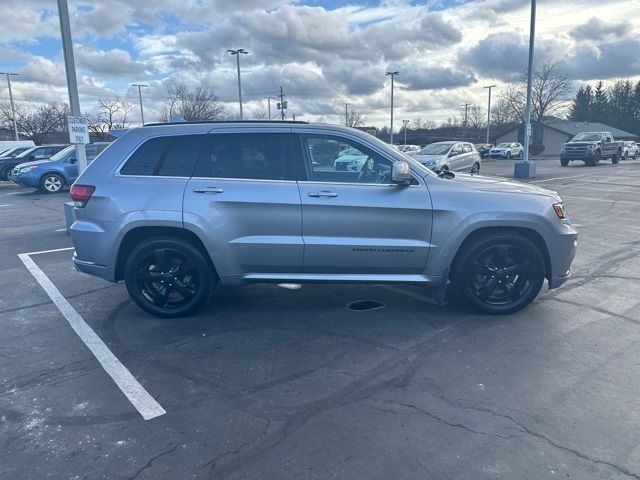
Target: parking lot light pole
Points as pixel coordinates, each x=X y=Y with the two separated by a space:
x=405 y=123
x=70 y=69
x=346 y=114
x=489 y=87
x=13 y=108
x=269 y=106
x=392 y=74
x=526 y=168
x=237 y=54
x=140 y=85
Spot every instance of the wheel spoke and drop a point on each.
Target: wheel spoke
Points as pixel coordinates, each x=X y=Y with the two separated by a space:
x=184 y=268
x=513 y=291
x=517 y=269
x=183 y=289
x=487 y=289
x=148 y=276
x=160 y=296
x=161 y=260
x=503 y=256
x=481 y=268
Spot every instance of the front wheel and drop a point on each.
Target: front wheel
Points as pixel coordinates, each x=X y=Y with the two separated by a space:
x=616 y=157
x=508 y=155
x=51 y=183
x=6 y=174
x=499 y=273
x=168 y=277
x=564 y=162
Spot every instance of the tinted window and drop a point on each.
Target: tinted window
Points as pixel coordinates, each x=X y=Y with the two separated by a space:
x=336 y=159
x=165 y=156
x=261 y=156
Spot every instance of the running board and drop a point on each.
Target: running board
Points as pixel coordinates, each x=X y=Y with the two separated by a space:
x=341 y=278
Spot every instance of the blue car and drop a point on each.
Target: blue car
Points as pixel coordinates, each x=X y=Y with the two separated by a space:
x=52 y=175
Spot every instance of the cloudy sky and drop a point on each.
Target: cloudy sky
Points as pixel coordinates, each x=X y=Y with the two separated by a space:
x=323 y=52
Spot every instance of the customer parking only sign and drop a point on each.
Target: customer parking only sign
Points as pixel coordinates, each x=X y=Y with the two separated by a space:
x=78 y=129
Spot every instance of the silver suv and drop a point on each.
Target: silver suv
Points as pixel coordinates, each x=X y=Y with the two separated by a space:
x=173 y=209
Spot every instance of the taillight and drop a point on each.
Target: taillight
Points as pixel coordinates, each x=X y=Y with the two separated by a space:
x=81 y=194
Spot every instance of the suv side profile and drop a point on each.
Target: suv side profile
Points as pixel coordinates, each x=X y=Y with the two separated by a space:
x=174 y=209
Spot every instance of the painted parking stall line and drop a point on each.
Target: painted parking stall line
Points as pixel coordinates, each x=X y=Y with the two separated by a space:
x=146 y=405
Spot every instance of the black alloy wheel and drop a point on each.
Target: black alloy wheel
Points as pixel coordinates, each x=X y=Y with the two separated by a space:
x=168 y=277
x=501 y=273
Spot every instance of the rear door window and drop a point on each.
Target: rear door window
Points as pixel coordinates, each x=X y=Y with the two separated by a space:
x=467 y=148
x=259 y=156
x=169 y=156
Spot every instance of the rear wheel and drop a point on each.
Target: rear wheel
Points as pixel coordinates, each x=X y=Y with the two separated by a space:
x=168 y=277
x=499 y=273
x=475 y=168
x=51 y=183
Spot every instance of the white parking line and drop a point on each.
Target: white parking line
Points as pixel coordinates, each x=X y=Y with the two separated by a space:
x=12 y=193
x=6 y=205
x=557 y=178
x=61 y=230
x=141 y=399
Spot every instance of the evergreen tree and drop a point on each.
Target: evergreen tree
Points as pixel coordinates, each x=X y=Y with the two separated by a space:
x=600 y=104
x=581 y=106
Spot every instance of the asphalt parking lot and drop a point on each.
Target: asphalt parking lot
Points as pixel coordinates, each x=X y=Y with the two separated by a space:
x=279 y=383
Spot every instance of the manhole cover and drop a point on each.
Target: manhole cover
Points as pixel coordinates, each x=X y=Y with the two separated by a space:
x=361 y=305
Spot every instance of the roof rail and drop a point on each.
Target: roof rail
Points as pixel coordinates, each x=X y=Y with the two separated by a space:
x=277 y=122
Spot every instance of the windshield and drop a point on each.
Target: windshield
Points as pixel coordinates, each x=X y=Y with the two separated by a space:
x=436 y=148
x=588 y=136
x=27 y=152
x=62 y=153
x=504 y=145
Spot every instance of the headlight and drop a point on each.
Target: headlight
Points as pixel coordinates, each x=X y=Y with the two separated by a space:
x=27 y=169
x=559 y=209
x=589 y=147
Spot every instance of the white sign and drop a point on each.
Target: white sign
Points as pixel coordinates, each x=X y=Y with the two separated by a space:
x=78 y=129
x=528 y=129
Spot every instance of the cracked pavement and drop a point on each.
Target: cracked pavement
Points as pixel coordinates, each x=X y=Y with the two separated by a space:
x=272 y=383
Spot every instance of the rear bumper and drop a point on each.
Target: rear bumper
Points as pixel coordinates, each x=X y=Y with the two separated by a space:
x=100 y=271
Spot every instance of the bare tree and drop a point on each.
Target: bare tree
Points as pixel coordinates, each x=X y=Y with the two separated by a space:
x=36 y=123
x=501 y=113
x=476 y=117
x=419 y=124
x=261 y=113
x=355 y=119
x=550 y=93
x=112 y=114
x=191 y=105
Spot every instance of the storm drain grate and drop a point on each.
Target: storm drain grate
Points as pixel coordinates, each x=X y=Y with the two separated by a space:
x=362 y=305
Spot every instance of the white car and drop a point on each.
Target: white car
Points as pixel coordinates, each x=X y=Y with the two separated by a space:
x=630 y=149
x=350 y=160
x=507 y=150
x=409 y=149
x=454 y=156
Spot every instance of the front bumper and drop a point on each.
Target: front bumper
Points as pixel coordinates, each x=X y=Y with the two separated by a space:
x=498 y=154
x=561 y=255
x=576 y=155
x=27 y=179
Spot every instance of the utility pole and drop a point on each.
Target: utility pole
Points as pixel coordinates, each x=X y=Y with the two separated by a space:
x=489 y=87
x=70 y=69
x=269 y=106
x=237 y=54
x=392 y=74
x=282 y=106
x=346 y=114
x=13 y=108
x=527 y=169
x=140 y=85
x=464 y=125
x=405 y=124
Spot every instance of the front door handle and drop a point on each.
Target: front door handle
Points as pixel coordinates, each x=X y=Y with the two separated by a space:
x=210 y=190
x=323 y=194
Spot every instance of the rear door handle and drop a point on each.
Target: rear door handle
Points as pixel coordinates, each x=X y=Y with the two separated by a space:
x=210 y=190
x=323 y=194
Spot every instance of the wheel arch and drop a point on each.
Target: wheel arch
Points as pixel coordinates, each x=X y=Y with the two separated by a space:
x=134 y=236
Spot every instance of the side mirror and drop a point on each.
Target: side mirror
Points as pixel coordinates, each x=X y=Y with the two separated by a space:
x=400 y=173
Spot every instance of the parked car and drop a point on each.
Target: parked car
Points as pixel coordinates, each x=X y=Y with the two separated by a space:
x=507 y=150
x=35 y=153
x=52 y=175
x=483 y=149
x=630 y=149
x=175 y=209
x=350 y=159
x=6 y=145
x=14 y=151
x=454 y=156
x=410 y=149
x=591 y=147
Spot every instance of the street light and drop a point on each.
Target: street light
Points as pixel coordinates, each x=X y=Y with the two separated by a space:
x=405 y=123
x=346 y=114
x=527 y=169
x=13 y=108
x=392 y=74
x=489 y=87
x=269 y=105
x=237 y=54
x=140 y=85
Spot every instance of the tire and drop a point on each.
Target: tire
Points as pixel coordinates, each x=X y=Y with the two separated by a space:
x=51 y=183
x=5 y=174
x=564 y=162
x=521 y=154
x=624 y=156
x=499 y=273
x=595 y=161
x=168 y=277
x=475 y=168
x=508 y=155
x=616 y=157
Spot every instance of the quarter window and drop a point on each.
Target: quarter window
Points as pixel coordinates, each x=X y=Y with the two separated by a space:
x=170 y=156
x=256 y=156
